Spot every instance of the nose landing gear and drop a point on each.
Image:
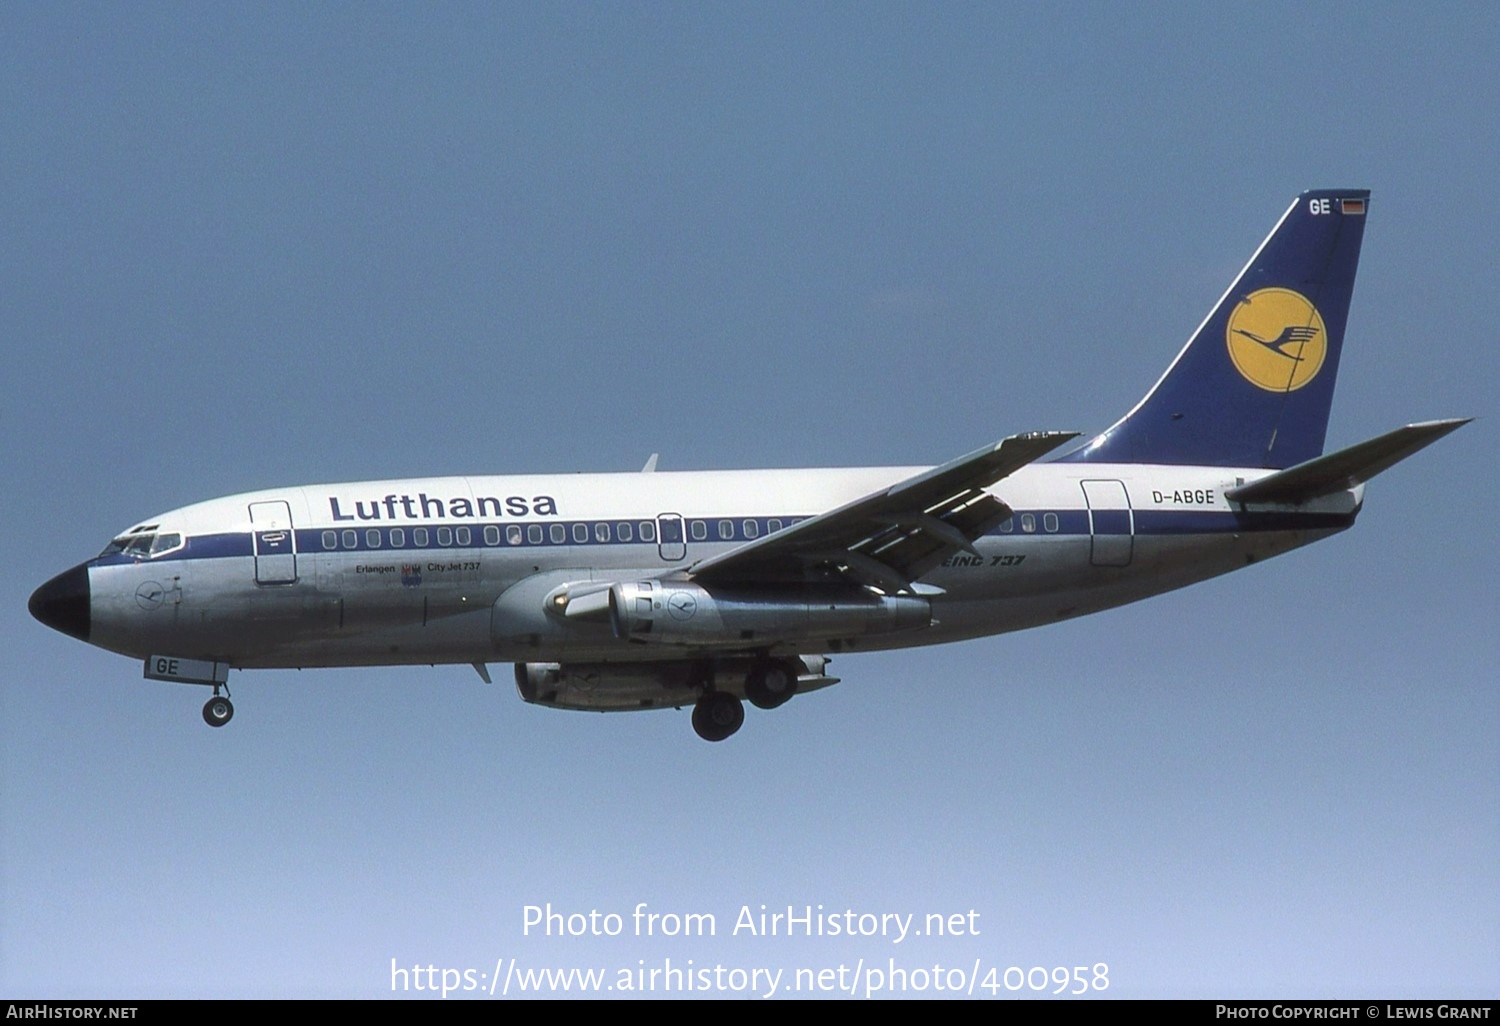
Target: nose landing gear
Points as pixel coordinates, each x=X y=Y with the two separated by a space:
x=218 y=710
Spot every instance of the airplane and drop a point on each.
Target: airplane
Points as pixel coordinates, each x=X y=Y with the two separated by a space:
x=651 y=590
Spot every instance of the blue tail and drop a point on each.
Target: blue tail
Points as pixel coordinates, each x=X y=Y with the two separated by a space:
x=1254 y=385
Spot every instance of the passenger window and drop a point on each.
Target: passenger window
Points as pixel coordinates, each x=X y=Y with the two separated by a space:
x=372 y=538
x=398 y=537
x=601 y=532
x=513 y=534
x=1028 y=523
x=445 y=535
x=773 y=526
x=580 y=533
x=419 y=537
x=534 y=534
x=1049 y=522
x=700 y=530
x=463 y=536
x=558 y=534
x=627 y=532
x=1007 y=525
x=726 y=530
x=351 y=539
x=330 y=539
x=648 y=531
x=492 y=535
x=752 y=529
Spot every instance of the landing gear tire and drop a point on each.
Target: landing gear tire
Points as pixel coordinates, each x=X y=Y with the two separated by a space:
x=218 y=711
x=717 y=715
x=771 y=684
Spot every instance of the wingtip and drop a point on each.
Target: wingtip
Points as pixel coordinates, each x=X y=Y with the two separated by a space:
x=1039 y=436
x=1039 y=442
x=1444 y=424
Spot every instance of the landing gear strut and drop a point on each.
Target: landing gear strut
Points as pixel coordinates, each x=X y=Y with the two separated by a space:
x=717 y=715
x=218 y=710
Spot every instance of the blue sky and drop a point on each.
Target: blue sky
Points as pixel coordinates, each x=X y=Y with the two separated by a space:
x=247 y=246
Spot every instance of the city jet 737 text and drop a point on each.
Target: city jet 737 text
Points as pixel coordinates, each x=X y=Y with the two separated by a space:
x=653 y=590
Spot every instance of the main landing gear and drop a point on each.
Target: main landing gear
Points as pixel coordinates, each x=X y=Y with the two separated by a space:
x=769 y=684
x=717 y=715
x=218 y=710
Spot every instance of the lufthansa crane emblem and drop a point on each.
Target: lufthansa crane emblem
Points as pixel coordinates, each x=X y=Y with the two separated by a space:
x=1277 y=339
x=150 y=595
x=682 y=605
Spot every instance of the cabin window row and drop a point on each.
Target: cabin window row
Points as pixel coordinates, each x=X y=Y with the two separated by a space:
x=1028 y=523
x=596 y=532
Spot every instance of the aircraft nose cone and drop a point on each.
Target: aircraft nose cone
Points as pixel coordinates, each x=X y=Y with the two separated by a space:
x=63 y=603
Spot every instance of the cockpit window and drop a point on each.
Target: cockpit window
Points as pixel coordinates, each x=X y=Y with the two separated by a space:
x=165 y=543
x=140 y=544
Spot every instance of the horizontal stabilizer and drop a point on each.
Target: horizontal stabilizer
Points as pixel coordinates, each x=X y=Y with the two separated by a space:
x=1346 y=468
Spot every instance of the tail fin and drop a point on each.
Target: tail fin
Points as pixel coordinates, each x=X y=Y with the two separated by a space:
x=1254 y=385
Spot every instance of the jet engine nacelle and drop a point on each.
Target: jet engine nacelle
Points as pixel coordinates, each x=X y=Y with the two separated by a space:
x=621 y=687
x=682 y=613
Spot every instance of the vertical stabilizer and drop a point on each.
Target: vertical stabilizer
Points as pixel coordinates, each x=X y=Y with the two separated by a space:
x=1254 y=385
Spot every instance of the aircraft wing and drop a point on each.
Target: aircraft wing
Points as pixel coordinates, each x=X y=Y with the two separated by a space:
x=891 y=537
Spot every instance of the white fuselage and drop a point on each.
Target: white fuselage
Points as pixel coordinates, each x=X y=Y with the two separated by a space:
x=459 y=569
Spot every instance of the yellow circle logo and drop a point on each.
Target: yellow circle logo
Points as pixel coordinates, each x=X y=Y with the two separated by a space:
x=1277 y=339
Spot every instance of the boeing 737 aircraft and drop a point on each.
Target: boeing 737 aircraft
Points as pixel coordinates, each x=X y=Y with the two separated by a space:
x=652 y=590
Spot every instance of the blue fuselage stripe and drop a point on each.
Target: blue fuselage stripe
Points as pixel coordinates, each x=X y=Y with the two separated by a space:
x=588 y=533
